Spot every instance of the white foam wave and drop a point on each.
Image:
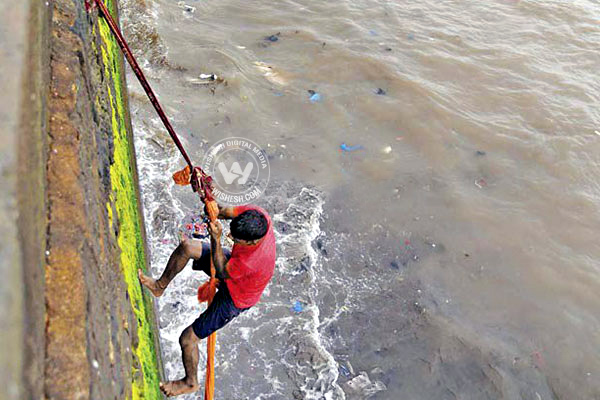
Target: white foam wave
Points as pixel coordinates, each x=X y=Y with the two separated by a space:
x=306 y=210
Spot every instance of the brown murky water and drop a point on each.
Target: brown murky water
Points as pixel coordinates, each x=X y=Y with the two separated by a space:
x=454 y=255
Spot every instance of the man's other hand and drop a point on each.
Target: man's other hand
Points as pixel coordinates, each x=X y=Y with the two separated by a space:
x=215 y=229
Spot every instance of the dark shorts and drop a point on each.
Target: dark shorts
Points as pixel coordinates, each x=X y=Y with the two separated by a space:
x=222 y=310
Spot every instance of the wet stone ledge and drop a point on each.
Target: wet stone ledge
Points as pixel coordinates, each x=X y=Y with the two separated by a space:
x=81 y=322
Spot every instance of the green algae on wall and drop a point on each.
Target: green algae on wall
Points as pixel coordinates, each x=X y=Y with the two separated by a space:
x=145 y=373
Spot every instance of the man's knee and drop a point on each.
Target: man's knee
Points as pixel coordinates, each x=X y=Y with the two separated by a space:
x=190 y=248
x=188 y=337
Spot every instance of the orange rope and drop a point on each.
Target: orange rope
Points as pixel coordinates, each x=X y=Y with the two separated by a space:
x=207 y=292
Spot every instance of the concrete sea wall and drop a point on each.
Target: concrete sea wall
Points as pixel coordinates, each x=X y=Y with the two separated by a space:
x=75 y=322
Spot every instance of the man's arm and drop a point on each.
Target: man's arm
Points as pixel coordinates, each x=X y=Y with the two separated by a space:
x=226 y=212
x=219 y=260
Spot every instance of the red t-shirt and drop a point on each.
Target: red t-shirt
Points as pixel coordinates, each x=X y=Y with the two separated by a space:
x=250 y=268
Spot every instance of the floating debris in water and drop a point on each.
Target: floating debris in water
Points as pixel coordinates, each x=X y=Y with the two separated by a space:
x=206 y=79
x=480 y=153
x=210 y=77
x=186 y=7
x=380 y=92
x=411 y=36
x=597 y=133
x=386 y=150
x=388 y=49
x=373 y=33
x=480 y=183
x=344 y=371
x=298 y=307
x=273 y=38
x=314 y=96
x=347 y=148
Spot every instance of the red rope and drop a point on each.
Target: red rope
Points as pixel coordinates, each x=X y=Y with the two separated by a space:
x=142 y=78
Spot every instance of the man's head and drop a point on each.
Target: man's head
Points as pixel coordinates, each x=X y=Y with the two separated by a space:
x=249 y=227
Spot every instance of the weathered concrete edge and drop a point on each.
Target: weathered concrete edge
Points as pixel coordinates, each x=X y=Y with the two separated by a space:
x=22 y=218
x=32 y=194
x=23 y=201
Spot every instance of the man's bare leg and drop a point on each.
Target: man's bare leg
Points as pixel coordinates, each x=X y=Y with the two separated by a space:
x=189 y=248
x=189 y=348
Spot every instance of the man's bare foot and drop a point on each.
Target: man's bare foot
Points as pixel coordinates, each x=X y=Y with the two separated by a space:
x=150 y=284
x=175 y=388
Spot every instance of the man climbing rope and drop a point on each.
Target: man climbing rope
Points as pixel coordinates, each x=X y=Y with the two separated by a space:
x=244 y=273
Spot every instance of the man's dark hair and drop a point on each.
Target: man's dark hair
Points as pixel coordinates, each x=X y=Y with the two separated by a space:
x=249 y=225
